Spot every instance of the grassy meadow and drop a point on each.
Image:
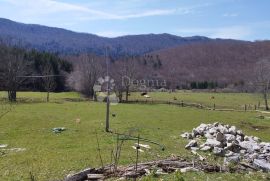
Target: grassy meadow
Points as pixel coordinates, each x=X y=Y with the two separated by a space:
x=221 y=100
x=50 y=156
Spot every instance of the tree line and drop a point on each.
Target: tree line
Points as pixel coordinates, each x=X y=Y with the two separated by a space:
x=31 y=70
x=41 y=71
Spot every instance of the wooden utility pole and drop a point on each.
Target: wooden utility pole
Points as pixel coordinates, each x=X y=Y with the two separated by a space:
x=107 y=129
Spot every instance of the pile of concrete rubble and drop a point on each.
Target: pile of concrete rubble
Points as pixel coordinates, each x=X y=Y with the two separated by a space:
x=229 y=142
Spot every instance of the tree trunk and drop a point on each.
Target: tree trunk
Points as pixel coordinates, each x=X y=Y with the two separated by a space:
x=127 y=91
x=120 y=96
x=265 y=100
x=12 y=96
x=48 y=96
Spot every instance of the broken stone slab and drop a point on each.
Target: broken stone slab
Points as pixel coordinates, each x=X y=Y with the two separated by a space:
x=232 y=130
x=212 y=143
x=262 y=164
x=194 y=148
x=222 y=129
x=80 y=175
x=3 y=145
x=95 y=176
x=188 y=169
x=218 y=151
x=232 y=159
x=234 y=147
x=192 y=143
x=206 y=148
x=212 y=130
x=186 y=135
x=220 y=137
x=250 y=146
x=229 y=137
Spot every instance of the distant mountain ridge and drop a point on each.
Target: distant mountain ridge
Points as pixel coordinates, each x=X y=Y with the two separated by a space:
x=68 y=42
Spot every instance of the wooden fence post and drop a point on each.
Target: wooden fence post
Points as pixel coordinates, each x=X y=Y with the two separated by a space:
x=245 y=107
x=182 y=103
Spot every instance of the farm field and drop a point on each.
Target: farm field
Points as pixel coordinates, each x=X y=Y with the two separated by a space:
x=50 y=156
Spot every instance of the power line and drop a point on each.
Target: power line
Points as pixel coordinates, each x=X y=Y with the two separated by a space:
x=39 y=76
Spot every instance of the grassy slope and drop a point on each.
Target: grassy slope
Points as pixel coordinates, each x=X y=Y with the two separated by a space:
x=222 y=100
x=51 y=156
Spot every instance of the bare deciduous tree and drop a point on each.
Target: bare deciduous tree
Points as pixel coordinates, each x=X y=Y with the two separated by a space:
x=262 y=78
x=13 y=69
x=124 y=71
x=48 y=79
x=85 y=75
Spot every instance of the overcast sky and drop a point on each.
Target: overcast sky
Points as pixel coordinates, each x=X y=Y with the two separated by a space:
x=237 y=19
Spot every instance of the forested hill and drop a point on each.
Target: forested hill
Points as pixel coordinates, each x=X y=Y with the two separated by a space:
x=63 y=41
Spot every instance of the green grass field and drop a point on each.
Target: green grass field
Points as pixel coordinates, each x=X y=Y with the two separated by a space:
x=221 y=100
x=50 y=156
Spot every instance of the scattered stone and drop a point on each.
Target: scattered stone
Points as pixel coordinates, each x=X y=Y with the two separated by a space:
x=224 y=140
x=192 y=143
x=186 y=135
x=212 y=143
x=188 y=169
x=218 y=151
x=220 y=137
x=3 y=146
x=206 y=148
x=262 y=164
x=250 y=146
x=229 y=137
x=232 y=159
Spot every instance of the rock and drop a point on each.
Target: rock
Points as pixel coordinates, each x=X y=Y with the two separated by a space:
x=232 y=130
x=186 y=135
x=188 y=169
x=222 y=129
x=253 y=156
x=218 y=151
x=205 y=148
x=209 y=136
x=229 y=137
x=229 y=153
x=255 y=138
x=194 y=133
x=3 y=146
x=232 y=159
x=243 y=151
x=212 y=143
x=239 y=138
x=82 y=175
x=249 y=146
x=212 y=130
x=192 y=143
x=194 y=148
x=239 y=132
x=262 y=164
x=233 y=147
x=220 y=137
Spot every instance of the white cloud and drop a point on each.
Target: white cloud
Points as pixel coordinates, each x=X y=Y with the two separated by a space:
x=40 y=8
x=44 y=9
x=233 y=32
x=112 y=34
x=230 y=15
